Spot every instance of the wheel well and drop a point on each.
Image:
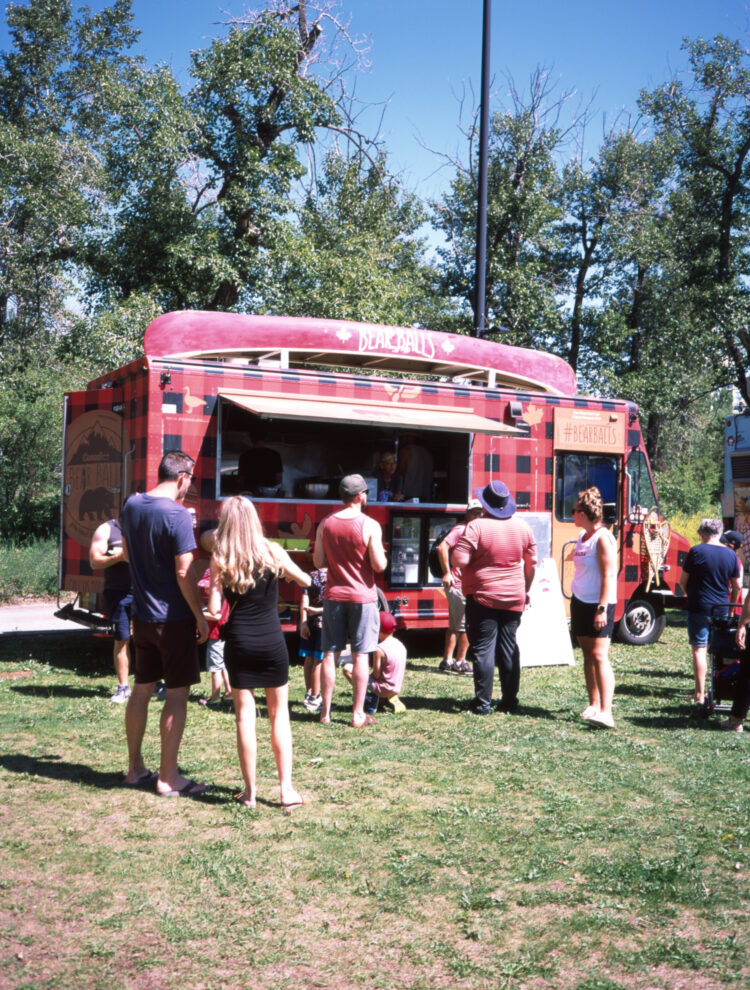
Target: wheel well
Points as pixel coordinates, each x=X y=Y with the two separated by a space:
x=640 y=593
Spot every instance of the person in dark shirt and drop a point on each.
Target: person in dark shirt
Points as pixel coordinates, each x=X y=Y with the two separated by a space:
x=168 y=620
x=710 y=577
x=388 y=479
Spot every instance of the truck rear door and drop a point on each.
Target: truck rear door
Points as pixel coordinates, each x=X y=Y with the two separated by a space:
x=95 y=449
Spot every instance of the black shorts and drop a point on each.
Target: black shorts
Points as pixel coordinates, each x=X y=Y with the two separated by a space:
x=166 y=651
x=582 y=620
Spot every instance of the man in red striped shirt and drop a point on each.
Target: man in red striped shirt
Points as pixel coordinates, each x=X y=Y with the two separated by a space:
x=497 y=557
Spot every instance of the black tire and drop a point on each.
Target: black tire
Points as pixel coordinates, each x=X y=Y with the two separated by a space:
x=642 y=623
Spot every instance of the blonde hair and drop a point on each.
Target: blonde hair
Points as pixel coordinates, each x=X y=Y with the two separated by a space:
x=241 y=550
x=590 y=504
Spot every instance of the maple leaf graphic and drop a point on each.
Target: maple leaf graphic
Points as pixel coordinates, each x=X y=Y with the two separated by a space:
x=533 y=415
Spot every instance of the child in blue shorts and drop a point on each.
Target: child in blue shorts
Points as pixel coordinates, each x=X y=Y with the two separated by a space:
x=311 y=631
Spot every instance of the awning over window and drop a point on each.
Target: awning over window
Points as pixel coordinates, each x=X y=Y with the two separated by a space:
x=458 y=419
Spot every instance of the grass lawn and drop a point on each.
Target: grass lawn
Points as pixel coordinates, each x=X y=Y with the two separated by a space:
x=440 y=850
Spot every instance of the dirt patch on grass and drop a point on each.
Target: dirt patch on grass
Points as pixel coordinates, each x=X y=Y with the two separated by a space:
x=13 y=675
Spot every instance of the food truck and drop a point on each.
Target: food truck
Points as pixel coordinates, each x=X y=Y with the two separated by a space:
x=329 y=397
x=736 y=493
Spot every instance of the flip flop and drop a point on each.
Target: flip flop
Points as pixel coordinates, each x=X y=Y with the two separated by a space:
x=190 y=789
x=149 y=777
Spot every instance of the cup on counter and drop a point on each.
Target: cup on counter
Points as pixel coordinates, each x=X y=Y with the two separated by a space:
x=384 y=496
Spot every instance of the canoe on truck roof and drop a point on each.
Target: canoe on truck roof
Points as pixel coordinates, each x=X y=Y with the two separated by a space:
x=295 y=341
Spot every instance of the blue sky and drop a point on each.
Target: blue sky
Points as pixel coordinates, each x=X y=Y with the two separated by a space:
x=425 y=53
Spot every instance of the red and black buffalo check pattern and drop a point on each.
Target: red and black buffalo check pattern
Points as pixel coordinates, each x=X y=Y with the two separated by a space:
x=173 y=405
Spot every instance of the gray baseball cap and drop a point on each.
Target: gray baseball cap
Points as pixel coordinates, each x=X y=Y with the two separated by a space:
x=352 y=484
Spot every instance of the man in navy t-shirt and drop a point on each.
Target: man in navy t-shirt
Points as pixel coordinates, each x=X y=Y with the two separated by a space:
x=710 y=577
x=168 y=621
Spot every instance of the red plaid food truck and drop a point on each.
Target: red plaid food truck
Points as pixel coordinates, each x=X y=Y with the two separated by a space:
x=330 y=397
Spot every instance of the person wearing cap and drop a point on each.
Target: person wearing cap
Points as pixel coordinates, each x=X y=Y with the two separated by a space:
x=350 y=545
x=455 y=635
x=733 y=539
x=710 y=578
x=497 y=555
x=388 y=668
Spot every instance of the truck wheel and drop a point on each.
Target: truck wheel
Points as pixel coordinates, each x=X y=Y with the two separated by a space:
x=643 y=622
x=383 y=603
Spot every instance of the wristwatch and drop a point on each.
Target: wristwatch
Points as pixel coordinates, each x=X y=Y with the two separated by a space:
x=601 y=609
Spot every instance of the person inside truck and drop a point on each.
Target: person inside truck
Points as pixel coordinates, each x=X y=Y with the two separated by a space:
x=390 y=483
x=415 y=465
x=710 y=578
x=260 y=469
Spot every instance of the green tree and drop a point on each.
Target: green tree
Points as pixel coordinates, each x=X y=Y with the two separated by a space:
x=708 y=124
x=353 y=252
x=522 y=211
x=53 y=87
x=54 y=84
x=202 y=182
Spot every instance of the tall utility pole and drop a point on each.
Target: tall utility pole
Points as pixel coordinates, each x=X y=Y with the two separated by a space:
x=480 y=280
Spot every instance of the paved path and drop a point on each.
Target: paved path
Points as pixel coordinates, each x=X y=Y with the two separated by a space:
x=34 y=617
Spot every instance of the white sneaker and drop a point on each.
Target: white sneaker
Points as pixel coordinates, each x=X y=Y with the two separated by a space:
x=591 y=711
x=121 y=695
x=313 y=703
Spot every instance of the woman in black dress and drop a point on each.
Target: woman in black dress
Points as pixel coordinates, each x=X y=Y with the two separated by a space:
x=247 y=567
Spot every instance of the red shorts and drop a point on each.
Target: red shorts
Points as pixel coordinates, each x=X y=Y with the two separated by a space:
x=166 y=651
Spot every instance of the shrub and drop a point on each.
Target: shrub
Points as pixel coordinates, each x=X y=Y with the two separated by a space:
x=28 y=569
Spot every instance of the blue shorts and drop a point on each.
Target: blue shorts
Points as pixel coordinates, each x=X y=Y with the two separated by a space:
x=698 y=626
x=312 y=647
x=117 y=609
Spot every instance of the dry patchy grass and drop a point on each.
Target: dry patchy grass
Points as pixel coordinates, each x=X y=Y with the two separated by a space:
x=440 y=850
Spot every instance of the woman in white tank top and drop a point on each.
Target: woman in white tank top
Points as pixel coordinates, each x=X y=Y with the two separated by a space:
x=592 y=608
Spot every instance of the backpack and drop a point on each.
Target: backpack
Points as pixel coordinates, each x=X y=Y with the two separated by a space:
x=433 y=561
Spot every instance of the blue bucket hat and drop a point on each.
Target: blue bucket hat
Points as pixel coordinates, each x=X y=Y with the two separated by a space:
x=497 y=500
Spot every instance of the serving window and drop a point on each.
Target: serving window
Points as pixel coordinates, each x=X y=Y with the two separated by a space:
x=314 y=454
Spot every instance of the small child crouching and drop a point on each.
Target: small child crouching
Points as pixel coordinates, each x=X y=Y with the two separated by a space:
x=388 y=668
